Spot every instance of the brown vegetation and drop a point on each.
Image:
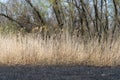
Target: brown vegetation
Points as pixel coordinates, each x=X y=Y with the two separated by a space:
x=60 y=32
x=66 y=50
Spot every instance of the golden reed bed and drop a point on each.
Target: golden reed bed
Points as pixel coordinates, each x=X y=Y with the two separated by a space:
x=30 y=50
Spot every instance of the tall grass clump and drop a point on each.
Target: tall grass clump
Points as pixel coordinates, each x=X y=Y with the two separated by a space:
x=64 y=50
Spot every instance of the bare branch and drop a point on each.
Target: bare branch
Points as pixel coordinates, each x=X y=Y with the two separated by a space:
x=37 y=12
x=11 y=19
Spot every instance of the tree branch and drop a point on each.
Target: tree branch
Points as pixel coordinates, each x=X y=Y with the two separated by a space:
x=11 y=19
x=36 y=11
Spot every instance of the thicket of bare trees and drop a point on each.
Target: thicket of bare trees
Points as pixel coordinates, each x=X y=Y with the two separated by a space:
x=91 y=18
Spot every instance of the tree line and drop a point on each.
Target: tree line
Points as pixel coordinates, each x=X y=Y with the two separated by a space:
x=91 y=18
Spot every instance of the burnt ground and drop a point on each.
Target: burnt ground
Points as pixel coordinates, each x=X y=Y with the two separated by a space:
x=59 y=73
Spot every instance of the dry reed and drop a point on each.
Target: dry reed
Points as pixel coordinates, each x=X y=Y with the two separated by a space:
x=19 y=50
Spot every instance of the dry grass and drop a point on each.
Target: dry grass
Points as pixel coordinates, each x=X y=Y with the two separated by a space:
x=64 y=51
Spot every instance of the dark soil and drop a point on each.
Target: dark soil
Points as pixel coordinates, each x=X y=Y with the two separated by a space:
x=59 y=73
